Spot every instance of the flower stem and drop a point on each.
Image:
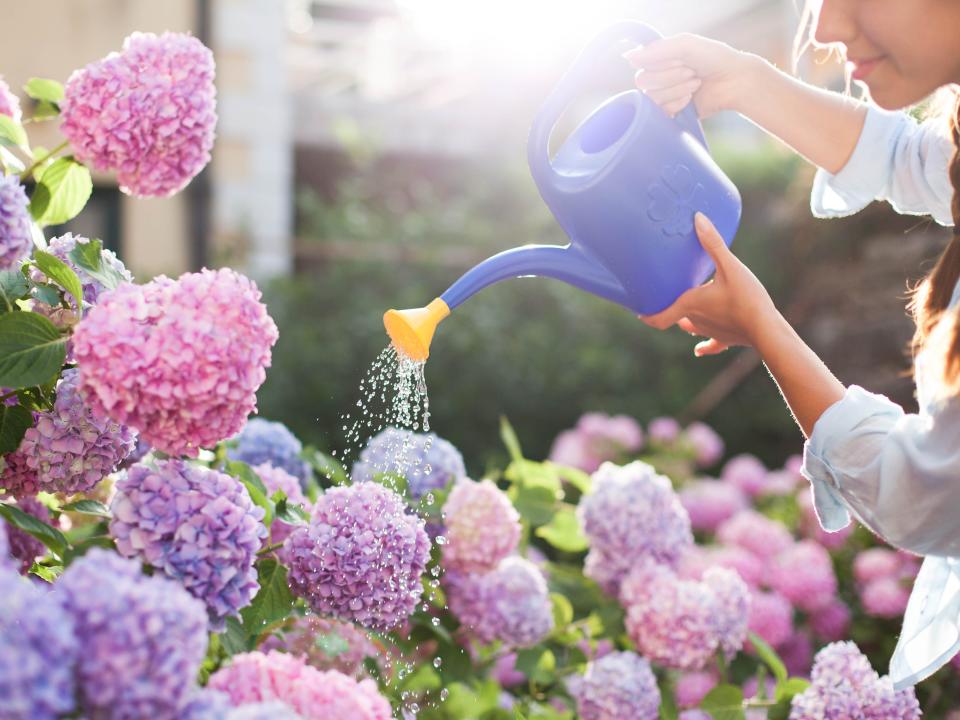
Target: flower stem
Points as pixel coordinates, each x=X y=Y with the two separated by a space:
x=38 y=162
x=269 y=549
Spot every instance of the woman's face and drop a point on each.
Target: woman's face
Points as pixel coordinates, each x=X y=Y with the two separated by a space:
x=902 y=50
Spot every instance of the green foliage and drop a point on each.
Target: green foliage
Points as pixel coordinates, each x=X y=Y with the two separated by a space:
x=61 y=273
x=62 y=190
x=32 y=350
x=12 y=133
x=49 y=536
x=14 y=422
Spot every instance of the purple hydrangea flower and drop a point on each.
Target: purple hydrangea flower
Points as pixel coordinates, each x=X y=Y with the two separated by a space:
x=845 y=686
x=631 y=512
x=70 y=448
x=147 y=112
x=757 y=533
x=481 y=527
x=37 y=651
x=196 y=525
x=361 y=557
x=510 y=603
x=803 y=573
x=326 y=644
x=771 y=617
x=832 y=621
x=205 y=704
x=162 y=357
x=142 y=638
x=619 y=685
x=9 y=102
x=23 y=546
x=15 y=238
x=797 y=653
x=709 y=503
x=266 y=441
x=745 y=472
x=596 y=438
x=732 y=608
x=692 y=687
x=707 y=445
x=428 y=462
x=6 y=558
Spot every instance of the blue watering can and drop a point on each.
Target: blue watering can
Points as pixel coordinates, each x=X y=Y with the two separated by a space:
x=624 y=186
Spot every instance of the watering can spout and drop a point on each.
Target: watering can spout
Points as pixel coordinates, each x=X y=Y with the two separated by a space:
x=412 y=330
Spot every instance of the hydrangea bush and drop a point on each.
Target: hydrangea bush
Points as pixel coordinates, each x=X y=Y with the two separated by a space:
x=183 y=560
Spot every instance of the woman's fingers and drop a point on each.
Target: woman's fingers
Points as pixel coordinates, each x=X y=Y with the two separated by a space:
x=665 y=318
x=712 y=241
x=709 y=347
x=674 y=94
x=666 y=49
x=648 y=79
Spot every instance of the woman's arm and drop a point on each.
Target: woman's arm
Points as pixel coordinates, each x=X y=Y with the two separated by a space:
x=821 y=126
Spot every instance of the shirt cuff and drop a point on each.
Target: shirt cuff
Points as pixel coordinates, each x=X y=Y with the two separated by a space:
x=863 y=177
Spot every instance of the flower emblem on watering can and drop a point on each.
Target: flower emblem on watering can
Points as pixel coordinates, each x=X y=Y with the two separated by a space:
x=674 y=200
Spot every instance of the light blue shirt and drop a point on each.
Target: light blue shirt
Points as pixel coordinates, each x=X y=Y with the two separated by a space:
x=895 y=472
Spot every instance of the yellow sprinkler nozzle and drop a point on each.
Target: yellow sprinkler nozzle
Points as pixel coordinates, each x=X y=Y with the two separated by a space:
x=412 y=330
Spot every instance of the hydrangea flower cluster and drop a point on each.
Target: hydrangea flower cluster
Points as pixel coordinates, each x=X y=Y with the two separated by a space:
x=482 y=527
x=69 y=449
x=709 y=503
x=510 y=603
x=884 y=579
x=37 y=651
x=361 y=557
x=706 y=444
x=276 y=479
x=266 y=441
x=162 y=357
x=803 y=573
x=771 y=617
x=325 y=644
x=315 y=695
x=132 y=626
x=746 y=473
x=692 y=687
x=596 y=438
x=6 y=558
x=196 y=525
x=763 y=537
x=147 y=113
x=9 y=102
x=428 y=462
x=682 y=623
x=845 y=686
x=619 y=685
x=632 y=512
x=663 y=430
x=832 y=621
x=21 y=545
x=15 y=237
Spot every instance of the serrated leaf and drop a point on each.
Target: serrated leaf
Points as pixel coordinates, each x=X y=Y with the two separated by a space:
x=724 y=702
x=32 y=350
x=234 y=639
x=89 y=256
x=61 y=273
x=87 y=507
x=12 y=133
x=563 y=532
x=49 y=536
x=13 y=287
x=272 y=603
x=769 y=657
x=14 y=422
x=509 y=438
x=44 y=89
x=62 y=191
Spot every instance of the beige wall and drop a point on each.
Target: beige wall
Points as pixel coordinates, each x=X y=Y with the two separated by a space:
x=51 y=38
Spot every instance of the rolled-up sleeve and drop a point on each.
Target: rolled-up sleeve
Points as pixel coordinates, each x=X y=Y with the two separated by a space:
x=897 y=473
x=895 y=159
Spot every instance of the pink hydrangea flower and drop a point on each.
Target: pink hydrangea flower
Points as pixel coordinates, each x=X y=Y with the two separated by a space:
x=700 y=558
x=597 y=438
x=326 y=644
x=663 y=430
x=875 y=563
x=9 y=102
x=797 y=653
x=196 y=525
x=803 y=573
x=692 y=687
x=632 y=512
x=771 y=617
x=810 y=524
x=709 y=503
x=831 y=622
x=707 y=445
x=779 y=482
x=505 y=672
x=16 y=240
x=745 y=472
x=361 y=558
x=757 y=533
x=162 y=357
x=885 y=597
x=147 y=113
x=316 y=695
x=481 y=526
x=732 y=608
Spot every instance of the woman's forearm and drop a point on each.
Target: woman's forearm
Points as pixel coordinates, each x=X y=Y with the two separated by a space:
x=820 y=125
x=806 y=384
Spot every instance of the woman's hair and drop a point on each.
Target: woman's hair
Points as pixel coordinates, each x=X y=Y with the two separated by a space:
x=938 y=331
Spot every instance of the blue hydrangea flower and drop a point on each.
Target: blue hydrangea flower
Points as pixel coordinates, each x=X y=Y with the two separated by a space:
x=428 y=462
x=618 y=685
x=265 y=441
x=15 y=238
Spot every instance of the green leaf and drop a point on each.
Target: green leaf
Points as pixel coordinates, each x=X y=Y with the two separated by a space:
x=89 y=256
x=14 y=422
x=61 y=273
x=88 y=507
x=43 y=89
x=13 y=287
x=509 y=438
x=62 y=191
x=49 y=536
x=234 y=639
x=535 y=504
x=790 y=687
x=47 y=294
x=769 y=656
x=12 y=133
x=724 y=702
x=11 y=162
x=326 y=466
x=272 y=603
x=43 y=110
x=668 y=702
x=32 y=350
x=289 y=513
x=562 y=610
x=578 y=478
x=563 y=532
x=332 y=644
x=258 y=491
x=393 y=481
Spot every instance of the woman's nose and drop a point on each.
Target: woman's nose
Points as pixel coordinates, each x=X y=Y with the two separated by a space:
x=836 y=21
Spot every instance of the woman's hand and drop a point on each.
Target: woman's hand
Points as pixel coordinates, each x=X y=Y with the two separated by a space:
x=731 y=309
x=675 y=70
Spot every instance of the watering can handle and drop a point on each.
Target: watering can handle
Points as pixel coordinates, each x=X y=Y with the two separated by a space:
x=575 y=79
